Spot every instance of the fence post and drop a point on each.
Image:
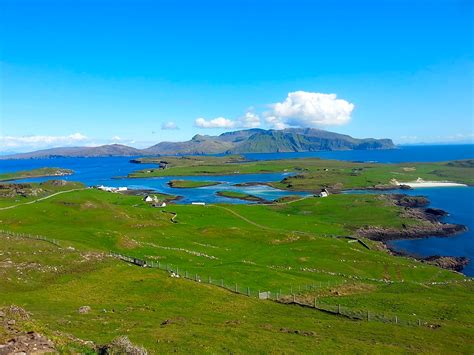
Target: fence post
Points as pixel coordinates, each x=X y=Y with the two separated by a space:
x=235 y=287
x=419 y=323
x=315 y=301
x=177 y=271
x=396 y=320
x=209 y=279
x=368 y=316
x=294 y=298
x=186 y=274
x=248 y=291
x=195 y=277
x=222 y=282
x=338 y=309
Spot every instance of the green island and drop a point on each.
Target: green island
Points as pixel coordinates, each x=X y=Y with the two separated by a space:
x=40 y=172
x=190 y=184
x=312 y=174
x=70 y=269
x=239 y=195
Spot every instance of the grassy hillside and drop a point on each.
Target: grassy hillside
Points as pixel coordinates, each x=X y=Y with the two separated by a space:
x=165 y=314
x=279 y=248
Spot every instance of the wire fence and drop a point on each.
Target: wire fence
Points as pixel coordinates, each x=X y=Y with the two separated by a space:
x=300 y=296
x=30 y=236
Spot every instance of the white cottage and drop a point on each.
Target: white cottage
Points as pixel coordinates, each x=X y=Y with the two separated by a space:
x=324 y=193
x=148 y=198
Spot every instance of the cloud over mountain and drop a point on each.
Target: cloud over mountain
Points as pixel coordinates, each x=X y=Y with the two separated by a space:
x=299 y=109
x=309 y=109
x=249 y=120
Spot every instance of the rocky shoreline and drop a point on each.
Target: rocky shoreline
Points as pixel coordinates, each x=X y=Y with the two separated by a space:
x=430 y=226
x=411 y=232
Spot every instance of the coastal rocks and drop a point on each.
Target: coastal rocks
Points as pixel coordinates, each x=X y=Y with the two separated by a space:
x=455 y=263
x=429 y=225
x=436 y=212
x=411 y=232
x=409 y=201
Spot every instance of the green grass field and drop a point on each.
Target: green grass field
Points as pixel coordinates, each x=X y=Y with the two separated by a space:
x=278 y=248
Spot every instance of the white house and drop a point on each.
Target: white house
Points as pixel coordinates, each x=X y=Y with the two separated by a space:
x=324 y=193
x=158 y=204
x=198 y=203
x=148 y=198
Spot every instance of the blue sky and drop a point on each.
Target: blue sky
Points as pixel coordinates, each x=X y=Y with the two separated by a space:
x=89 y=72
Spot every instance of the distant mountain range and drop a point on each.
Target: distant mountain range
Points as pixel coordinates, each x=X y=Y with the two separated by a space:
x=244 y=141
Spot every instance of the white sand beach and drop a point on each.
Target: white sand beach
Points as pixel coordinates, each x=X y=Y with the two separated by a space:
x=419 y=183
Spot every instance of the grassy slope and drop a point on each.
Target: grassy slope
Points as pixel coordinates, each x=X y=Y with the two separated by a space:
x=189 y=184
x=41 y=172
x=314 y=174
x=33 y=192
x=201 y=318
x=277 y=247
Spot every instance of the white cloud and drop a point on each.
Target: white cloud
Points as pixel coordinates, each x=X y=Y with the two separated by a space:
x=116 y=138
x=249 y=120
x=309 y=109
x=169 y=125
x=219 y=122
x=41 y=141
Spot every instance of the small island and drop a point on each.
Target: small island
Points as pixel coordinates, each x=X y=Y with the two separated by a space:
x=241 y=196
x=35 y=173
x=191 y=184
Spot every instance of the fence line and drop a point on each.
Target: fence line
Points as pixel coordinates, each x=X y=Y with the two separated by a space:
x=294 y=297
x=30 y=236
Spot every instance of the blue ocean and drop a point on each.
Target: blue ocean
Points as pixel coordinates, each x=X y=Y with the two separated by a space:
x=458 y=201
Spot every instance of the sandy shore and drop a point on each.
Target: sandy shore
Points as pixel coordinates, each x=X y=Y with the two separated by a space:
x=422 y=183
x=417 y=184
